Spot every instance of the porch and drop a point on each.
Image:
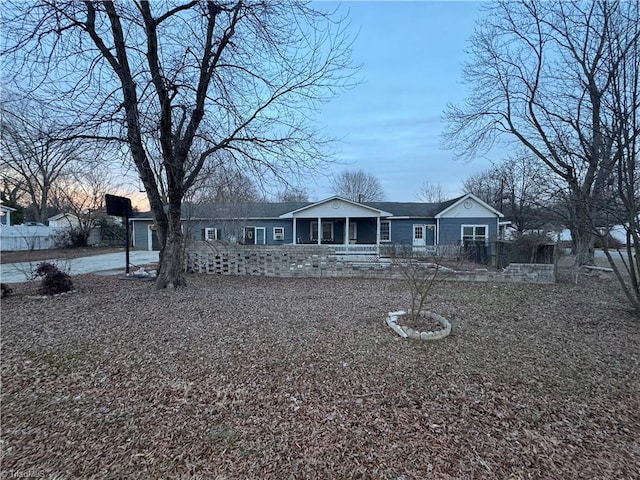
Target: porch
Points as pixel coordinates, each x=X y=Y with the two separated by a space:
x=346 y=226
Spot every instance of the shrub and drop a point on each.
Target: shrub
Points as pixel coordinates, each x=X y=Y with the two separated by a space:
x=420 y=274
x=54 y=280
x=6 y=290
x=532 y=248
x=72 y=238
x=609 y=241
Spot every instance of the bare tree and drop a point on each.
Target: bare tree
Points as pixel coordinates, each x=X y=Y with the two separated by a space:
x=32 y=155
x=485 y=185
x=519 y=187
x=542 y=73
x=420 y=272
x=178 y=83
x=526 y=192
x=224 y=183
x=358 y=186
x=432 y=192
x=11 y=193
x=293 y=194
x=624 y=106
x=82 y=194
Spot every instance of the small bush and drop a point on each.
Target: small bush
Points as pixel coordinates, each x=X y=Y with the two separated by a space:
x=532 y=248
x=72 y=238
x=6 y=290
x=54 y=280
x=611 y=242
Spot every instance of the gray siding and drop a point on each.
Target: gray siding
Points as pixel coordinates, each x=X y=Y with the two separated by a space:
x=402 y=230
x=451 y=228
x=228 y=229
x=140 y=234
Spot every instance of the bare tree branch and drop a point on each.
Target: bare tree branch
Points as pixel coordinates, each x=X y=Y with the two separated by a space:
x=191 y=81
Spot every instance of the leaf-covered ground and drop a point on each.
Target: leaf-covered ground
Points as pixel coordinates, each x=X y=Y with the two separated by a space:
x=270 y=378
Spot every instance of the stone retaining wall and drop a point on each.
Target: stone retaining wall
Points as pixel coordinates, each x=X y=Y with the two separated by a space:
x=513 y=273
x=278 y=261
x=323 y=261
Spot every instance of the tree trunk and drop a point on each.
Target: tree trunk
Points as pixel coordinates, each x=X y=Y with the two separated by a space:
x=583 y=247
x=582 y=228
x=170 y=269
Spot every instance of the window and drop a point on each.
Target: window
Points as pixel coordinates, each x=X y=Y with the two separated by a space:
x=474 y=233
x=353 y=231
x=418 y=232
x=385 y=231
x=278 y=233
x=210 y=234
x=327 y=231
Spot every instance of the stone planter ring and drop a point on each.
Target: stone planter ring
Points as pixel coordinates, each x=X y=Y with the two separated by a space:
x=407 y=332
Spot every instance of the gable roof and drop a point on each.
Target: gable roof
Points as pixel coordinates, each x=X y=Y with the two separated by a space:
x=267 y=210
x=413 y=209
x=226 y=211
x=462 y=199
x=61 y=215
x=366 y=206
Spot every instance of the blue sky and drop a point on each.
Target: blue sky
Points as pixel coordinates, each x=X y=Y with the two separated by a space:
x=412 y=55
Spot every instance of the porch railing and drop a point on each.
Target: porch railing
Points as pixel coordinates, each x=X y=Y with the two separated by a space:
x=355 y=249
x=442 y=251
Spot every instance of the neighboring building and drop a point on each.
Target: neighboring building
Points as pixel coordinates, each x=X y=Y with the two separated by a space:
x=64 y=220
x=556 y=231
x=334 y=221
x=5 y=215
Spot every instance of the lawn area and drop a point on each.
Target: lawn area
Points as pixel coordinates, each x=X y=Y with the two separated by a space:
x=272 y=378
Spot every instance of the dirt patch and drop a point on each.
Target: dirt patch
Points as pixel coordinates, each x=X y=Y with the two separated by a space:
x=272 y=378
x=421 y=323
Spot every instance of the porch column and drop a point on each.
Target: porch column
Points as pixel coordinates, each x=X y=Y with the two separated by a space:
x=319 y=230
x=346 y=231
x=295 y=237
x=378 y=234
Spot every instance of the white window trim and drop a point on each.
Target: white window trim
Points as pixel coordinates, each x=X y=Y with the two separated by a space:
x=209 y=230
x=255 y=232
x=278 y=233
x=475 y=238
x=323 y=224
x=355 y=231
x=388 y=223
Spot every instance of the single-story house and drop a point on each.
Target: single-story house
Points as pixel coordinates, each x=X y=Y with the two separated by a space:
x=65 y=220
x=335 y=221
x=5 y=215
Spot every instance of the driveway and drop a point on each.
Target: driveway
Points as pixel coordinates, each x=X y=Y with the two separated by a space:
x=104 y=264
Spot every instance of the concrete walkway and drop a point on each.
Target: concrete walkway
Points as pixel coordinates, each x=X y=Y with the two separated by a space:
x=104 y=264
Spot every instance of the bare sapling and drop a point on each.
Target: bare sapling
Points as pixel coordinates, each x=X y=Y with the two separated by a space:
x=421 y=271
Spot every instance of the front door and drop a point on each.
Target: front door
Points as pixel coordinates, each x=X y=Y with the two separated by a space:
x=261 y=236
x=431 y=235
x=249 y=235
x=419 y=239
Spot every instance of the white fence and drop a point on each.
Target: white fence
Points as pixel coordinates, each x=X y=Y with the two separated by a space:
x=21 y=237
